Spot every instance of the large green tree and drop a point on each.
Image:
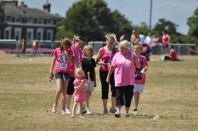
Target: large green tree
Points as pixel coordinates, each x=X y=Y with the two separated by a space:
x=2 y=23
x=92 y=19
x=193 y=24
x=167 y=25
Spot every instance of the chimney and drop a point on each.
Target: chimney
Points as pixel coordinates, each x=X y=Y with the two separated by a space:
x=23 y=4
x=47 y=6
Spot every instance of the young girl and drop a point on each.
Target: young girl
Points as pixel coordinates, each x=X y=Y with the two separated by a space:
x=88 y=65
x=139 y=78
x=79 y=93
x=62 y=57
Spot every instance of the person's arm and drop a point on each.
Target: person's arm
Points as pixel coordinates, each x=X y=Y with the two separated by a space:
x=81 y=85
x=99 y=57
x=109 y=74
x=51 y=72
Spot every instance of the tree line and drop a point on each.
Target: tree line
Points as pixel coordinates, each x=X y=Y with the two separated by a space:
x=92 y=19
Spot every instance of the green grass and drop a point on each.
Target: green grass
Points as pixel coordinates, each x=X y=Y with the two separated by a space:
x=26 y=98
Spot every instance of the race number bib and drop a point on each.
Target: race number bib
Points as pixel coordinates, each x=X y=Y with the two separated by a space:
x=61 y=65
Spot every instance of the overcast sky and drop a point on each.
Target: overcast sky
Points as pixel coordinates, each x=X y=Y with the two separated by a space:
x=137 y=11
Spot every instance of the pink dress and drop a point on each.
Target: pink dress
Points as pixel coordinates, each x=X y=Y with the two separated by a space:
x=79 y=95
x=124 y=73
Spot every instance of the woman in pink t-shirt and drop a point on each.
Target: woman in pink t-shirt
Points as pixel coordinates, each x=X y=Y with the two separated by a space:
x=124 y=63
x=77 y=53
x=104 y=59
x=80 y=92
x=165 y=41
x=59 y=68
x=139 y=78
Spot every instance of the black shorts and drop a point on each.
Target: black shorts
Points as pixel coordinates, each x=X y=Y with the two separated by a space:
x=70 y=88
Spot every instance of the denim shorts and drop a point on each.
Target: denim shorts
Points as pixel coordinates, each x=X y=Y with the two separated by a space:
x=60 y=75
x=138 y=88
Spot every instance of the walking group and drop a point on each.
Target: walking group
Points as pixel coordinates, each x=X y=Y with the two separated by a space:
x=122 y=71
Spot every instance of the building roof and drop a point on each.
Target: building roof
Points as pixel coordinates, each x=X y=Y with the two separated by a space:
x=22 y=11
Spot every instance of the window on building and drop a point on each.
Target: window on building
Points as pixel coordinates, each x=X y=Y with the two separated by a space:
x=49 y=36
x=7 y=34
x=29 y=36
x=13 y=19
x=54 y=22
x=39 y=36
x=35 y=21
x=8 y=19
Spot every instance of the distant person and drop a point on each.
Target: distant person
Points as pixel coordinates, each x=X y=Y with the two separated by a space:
x=59 y=68
x=142 y=38
x=134 y=38
x=104 y=59
x=172 y=56
x=165 y=41
x=79 y=93
x=155 y=44
x=88 y=66
x=124 y=63
x=140 y=78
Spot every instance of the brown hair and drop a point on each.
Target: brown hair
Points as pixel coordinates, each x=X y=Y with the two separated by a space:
x=65 y=42
x=88 y=47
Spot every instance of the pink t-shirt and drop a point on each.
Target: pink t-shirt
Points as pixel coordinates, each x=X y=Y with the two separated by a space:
x=107 y=56
x=165 y=40
x=124 y=69
x=79 y=95
x=140 y=77
x=61 y=63
x=77 y=53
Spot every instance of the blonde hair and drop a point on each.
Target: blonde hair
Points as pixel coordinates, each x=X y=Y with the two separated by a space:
x=124 y=44
x=137 y=46
x=88 y=47
x=79 y=72
x=111 y=35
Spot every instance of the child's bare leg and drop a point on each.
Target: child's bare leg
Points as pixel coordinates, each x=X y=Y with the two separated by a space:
x=64 y=93
x=74 y=108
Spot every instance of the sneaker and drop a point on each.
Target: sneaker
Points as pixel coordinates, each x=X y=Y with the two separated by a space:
x=54 y=109
x=117 y=114
x=63 y=112
x=88 y=112
x=84 y=111
x=112 y=110
x=105 y=112
x=67 y=111
x=81 y=115
x=135 y=113
x=72 y=116
x=127 y=115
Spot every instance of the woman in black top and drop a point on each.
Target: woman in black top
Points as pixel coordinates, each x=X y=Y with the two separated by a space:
x=88 y=65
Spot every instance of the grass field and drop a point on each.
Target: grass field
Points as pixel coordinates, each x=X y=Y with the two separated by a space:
x=26 y=98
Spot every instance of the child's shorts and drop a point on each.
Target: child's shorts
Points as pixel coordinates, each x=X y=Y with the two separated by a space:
x=138 y=88
x=89 y=86
x=60 y=75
